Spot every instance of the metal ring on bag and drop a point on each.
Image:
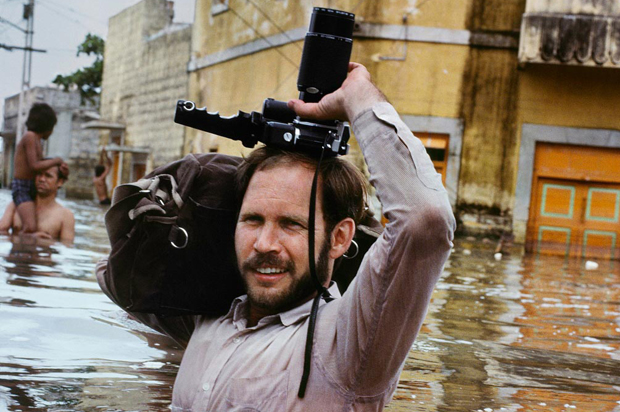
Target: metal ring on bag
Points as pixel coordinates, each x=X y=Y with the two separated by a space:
x=186 y=240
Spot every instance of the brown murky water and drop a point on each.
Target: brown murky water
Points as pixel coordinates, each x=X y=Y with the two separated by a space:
x=520 y=334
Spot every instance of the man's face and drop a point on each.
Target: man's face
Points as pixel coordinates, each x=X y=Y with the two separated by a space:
x=271 y=239
x=47 y=182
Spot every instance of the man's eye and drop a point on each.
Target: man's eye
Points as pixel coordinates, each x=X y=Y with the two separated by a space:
x=293 y=224
x=251 y=219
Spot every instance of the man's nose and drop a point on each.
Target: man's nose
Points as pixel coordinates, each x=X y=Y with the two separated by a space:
x=267 y=239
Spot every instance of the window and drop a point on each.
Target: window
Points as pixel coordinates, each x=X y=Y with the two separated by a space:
x=436 y=145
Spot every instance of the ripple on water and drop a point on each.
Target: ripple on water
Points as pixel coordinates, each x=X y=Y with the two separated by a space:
x=527 y=333
x=63 y=344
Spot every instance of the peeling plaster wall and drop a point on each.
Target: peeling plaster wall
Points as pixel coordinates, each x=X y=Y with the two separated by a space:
x=145 y=73
x=489 y=102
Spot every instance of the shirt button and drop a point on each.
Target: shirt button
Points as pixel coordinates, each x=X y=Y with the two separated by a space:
x=206 y=387
x=236 y=340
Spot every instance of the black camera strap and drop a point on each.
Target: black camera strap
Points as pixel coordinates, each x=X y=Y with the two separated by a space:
x=322 y=291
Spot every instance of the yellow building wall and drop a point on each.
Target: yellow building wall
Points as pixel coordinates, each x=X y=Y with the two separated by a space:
x=489 y=155
x=569 y=96
x=489 y=113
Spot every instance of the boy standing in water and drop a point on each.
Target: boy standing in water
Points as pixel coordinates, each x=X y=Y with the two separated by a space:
x=101 y=173
x=29 y=161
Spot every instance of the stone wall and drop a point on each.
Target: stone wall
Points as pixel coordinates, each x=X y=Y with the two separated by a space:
x=145 y=73
x=77 y=146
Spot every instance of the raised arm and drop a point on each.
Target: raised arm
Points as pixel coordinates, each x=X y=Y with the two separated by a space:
x=381 y=313
x=33 y=156
x=106 y=165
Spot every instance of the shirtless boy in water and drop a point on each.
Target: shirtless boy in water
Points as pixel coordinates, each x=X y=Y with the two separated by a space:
x=29 y=161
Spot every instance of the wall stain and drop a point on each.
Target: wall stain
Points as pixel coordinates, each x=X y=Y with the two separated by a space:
x=489 y=110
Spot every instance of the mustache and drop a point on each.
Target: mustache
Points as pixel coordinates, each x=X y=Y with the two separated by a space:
x=268 y=259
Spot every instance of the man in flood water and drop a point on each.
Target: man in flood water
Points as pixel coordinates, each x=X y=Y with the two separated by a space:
x=252 y=358
x=54 y=221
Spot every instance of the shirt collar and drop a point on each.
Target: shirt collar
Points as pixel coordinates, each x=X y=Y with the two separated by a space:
x=238 y=309
x=303 y=311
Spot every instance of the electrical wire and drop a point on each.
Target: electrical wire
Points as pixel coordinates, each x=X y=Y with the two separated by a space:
x=278 y=86
x=13 y=25
x=263 y=37
x=274 y=24
x=65 y=16
x=422 y=3
x=72 y=10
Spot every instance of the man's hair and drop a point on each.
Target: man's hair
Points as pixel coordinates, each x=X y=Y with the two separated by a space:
x=41 y=118
x=343 y=185
x=61 y=175
x=99 y=169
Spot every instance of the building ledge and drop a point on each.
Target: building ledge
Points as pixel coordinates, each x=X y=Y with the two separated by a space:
x=127 y=149
x=103 y=125
x=573 y=39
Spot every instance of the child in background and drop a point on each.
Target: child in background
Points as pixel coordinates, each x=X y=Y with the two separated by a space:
x=101 y=173
x=29 y=161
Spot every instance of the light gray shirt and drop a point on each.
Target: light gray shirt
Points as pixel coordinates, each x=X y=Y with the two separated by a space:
x=362 y=338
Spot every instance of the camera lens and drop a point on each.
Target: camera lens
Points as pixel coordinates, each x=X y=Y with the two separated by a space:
x=327 y=50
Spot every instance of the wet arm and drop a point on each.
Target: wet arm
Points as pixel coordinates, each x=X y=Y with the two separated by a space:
x=32 y=157
x=384 y=308
x=107 y=166
x=6 y=222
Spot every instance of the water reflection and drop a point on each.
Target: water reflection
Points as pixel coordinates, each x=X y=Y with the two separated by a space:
x=531 y=333
x=524 y=333
x=63 y=345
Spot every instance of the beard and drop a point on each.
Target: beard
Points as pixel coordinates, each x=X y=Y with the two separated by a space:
x=301 y=288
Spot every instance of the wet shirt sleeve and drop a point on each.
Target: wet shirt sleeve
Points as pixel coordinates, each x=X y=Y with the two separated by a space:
x=381 y=313
x=179 y=328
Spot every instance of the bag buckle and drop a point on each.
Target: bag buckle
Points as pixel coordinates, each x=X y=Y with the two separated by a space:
x=174 y=245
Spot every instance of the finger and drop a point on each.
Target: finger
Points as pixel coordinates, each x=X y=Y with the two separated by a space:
x=353 y=66
x=303 y=109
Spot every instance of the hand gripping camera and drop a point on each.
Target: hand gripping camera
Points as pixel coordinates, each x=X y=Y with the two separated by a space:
x=323 y=68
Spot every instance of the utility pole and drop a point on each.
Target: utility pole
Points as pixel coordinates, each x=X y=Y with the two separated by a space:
x=27 y=68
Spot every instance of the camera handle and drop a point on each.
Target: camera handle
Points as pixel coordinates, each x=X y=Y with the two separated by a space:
x=251 y=128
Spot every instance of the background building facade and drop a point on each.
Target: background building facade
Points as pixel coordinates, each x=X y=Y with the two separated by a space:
x=464 y=79
x=515 y=100
x=145 y=72
x=79 y=147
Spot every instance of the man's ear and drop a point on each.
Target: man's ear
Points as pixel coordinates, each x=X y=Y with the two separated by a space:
x=341 y=237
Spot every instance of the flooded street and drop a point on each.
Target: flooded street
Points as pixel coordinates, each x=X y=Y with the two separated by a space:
x=63 y=345
x=520 y=334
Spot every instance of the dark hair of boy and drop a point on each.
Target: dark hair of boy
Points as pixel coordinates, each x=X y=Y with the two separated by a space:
x=41 y=118
x=99 y=169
